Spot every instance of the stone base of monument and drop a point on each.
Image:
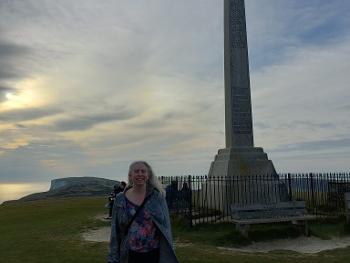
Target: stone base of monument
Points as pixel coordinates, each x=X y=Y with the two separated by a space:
x=241 y=161
x=242 y=176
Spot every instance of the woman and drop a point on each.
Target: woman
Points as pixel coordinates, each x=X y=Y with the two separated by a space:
x=141 y=230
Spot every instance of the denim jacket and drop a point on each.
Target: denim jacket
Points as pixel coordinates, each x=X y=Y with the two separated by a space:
x=156 y=205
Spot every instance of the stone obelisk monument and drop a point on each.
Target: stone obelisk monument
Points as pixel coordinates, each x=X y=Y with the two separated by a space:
x=240 y=157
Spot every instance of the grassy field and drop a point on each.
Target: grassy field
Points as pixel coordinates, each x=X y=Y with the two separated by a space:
x=50 y=231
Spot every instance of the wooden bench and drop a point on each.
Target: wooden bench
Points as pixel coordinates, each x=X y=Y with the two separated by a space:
x=245 y=215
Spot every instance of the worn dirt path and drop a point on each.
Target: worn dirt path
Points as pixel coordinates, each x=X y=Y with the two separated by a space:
x=300 y=244
x=308 y=245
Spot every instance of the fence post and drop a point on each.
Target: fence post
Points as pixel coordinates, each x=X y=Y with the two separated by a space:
x=312 y=191
x=290 y=187
x=190 y=199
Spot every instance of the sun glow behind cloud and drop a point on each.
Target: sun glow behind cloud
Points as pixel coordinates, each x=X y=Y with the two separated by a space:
x=22 y=99
x=27 y=95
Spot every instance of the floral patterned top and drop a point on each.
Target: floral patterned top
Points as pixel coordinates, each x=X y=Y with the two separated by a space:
x=143 y=234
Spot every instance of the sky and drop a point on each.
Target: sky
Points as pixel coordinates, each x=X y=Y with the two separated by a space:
x=88 y=86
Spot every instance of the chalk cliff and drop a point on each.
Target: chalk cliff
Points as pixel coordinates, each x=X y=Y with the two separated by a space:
x=74 y=187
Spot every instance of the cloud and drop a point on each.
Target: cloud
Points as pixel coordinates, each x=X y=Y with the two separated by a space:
x=42 y=160
x=85 y=121
x=20 y=115
x=11 y=57
x=20 y=126
x=318 y=145
x=10 y=50
x=310 y=125
x=304 y=97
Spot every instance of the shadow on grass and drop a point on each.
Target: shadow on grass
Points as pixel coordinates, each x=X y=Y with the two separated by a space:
x=224 y=234
x=330 y=227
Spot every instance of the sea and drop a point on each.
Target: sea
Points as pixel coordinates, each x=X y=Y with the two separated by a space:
x=15 y=190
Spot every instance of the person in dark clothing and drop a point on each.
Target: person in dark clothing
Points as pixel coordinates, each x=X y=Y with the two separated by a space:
x=111 y=198
x=171 y=194
x=118 y=188
x=185 y=196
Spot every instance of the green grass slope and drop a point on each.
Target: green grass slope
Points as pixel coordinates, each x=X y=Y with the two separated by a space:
x=50 y=231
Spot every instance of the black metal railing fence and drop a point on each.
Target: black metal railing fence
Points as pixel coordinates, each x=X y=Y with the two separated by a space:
x=202 y=199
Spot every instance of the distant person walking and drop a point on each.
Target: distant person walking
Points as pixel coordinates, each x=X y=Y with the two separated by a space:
x=141 y=230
